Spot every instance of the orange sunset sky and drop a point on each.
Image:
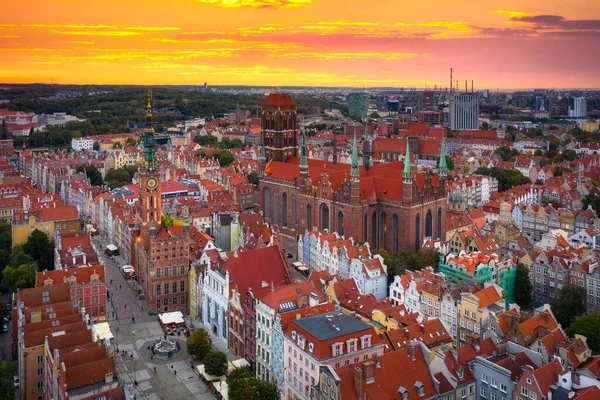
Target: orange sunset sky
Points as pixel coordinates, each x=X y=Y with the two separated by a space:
x=508 y=44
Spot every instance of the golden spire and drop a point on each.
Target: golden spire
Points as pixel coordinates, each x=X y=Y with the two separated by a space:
x=149 y=106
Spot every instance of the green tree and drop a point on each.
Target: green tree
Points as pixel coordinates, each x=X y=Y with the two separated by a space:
x=485 y=126
x=119 y=177
x=592 y=200
x=538 y=153
x=570 y=305
x=94 y=175
x=587 y=325
x=208 y=140
x=198 y=344
x=374 y=115
x=39 y=247
x=19 y=257
x=483 y=171
x=167 y=221
x=22 y=277
x=506 y=153
x=131 y=141
x=225 y=157
x=5 y=241
x=523 y=287
x=7 y=371
x=96 y=145
x=449 y=162
x=243 y=385
x=215 y=363
x=254 y=178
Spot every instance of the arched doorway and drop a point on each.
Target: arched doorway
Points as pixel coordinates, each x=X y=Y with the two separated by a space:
x=324 y=216
x=417 y=232
x=429 y=224
x=340 y=224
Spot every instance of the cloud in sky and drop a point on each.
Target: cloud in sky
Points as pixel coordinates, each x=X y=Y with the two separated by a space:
x=152 y=28
x=256 y=3
x=280 y=42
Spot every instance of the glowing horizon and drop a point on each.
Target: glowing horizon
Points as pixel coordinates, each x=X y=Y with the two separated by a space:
x=333 y=43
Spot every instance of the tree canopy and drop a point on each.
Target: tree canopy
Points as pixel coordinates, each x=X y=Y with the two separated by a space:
x=523 y=287
x=118 y=177
x=507 y=178
x=7 y=371
x=254 y=178
x=243 y=385
x=570 y=305
x=587 y=325
x=39 y=247
x=592 y=200
x=225 y=157
x=506 y=153
x=198 y=344
x=215 y=363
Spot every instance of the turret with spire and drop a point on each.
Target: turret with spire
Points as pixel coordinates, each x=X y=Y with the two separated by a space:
x=407 y=180
x=150 y=161
x=354 y=175
x=303 y=159
x=443 y=168
x=366 y=146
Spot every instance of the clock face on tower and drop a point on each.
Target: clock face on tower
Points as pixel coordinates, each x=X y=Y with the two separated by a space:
x=151 y=184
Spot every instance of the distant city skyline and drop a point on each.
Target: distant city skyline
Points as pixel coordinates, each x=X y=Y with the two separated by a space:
x=327 y=43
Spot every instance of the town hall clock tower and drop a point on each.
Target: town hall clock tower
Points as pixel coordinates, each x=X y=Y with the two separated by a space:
x=150 y=196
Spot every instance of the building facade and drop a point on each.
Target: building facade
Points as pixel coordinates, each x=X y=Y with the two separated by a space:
x=464 y=111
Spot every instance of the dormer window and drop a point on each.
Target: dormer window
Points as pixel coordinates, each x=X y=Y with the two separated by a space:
x=293 y=335
x=301 y=341
x=337 y=349
x=311 y=347
x=365 y=341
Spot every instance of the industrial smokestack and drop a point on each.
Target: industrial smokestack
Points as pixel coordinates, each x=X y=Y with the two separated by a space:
x=472 y=85
x=450 y=79
x=466 y=87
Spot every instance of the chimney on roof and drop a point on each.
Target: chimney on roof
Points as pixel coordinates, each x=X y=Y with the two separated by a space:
x=358 y=382
x=339 y=315
x=369 y=372
x=420 y=388
x=403 y=393
x=377 y=360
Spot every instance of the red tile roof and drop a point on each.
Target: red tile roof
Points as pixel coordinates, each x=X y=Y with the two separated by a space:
x=547 y=375
x=432 y=333
x=488 y=296
x=402 y=368
x=279 y=100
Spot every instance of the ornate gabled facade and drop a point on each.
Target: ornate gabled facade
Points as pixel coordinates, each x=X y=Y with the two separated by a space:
x=377 y=204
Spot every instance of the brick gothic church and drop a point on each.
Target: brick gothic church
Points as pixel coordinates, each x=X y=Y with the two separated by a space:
x=388 y=205
x=161 y=255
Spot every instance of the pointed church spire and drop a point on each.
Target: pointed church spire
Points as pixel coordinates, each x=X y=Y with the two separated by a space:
x=354 y=170
x=262 y=155
x=303 y=158
x=443 y=166
x=407 y=174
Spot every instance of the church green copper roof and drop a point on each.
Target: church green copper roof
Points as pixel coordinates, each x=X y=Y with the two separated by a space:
x=354 y=170
x=443 y=166
x=407 y=171
x=303 y=160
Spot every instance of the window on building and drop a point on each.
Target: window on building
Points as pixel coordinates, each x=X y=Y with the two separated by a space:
x=175 y=300
x=174 y=287
x=166 y=288
x=158 y=287
x=182 y=286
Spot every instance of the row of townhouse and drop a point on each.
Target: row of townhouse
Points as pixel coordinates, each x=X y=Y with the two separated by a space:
x=475 y=190
x=324 y=251
x=463 y=308
x=490 y=369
